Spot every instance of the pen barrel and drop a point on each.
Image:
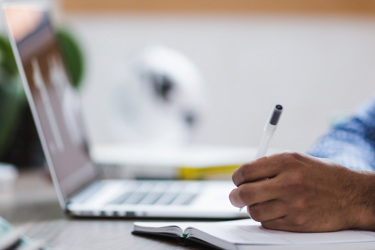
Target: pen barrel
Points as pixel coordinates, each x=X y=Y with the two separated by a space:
x=263 y=147
x=269 y=128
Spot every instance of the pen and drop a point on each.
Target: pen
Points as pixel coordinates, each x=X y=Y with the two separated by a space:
x=269 y=130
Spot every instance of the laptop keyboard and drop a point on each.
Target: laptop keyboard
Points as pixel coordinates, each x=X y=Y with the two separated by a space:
x=158 y=193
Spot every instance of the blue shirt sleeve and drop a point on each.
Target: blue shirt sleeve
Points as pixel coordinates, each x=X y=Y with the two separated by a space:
x=351 y=143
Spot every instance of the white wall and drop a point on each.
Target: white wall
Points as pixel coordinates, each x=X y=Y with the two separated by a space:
x=314 y=66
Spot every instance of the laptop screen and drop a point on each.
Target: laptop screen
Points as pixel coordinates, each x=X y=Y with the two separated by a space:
x=55 y=105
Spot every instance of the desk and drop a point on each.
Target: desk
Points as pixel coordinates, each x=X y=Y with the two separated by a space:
x=33 y=207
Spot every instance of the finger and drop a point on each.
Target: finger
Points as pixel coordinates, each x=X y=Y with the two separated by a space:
x=249 y=194
x=287 y=223
x=276 y=224
x=262 y=168
x=269 y=210
x=268 y=167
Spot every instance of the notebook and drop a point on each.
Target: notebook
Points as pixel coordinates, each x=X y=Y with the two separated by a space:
x=247 y=233
x=78 y=181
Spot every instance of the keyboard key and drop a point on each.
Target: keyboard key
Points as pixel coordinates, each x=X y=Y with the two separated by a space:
x=151 y=198
x=166 y=199
x=120 y=199
x=135 y=198
x=184 y=199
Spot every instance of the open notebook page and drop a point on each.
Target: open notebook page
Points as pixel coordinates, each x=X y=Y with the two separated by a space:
x=248 y=231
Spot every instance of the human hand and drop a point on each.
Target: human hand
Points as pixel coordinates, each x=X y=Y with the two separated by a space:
x=297 y=192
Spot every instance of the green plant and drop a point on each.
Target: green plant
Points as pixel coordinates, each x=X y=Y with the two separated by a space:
x=12 y=96
x=73 y=57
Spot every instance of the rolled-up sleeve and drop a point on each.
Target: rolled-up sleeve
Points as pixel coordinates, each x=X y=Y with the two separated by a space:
x=351 y=143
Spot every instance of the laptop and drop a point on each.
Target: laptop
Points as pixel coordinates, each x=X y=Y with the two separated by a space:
x=81 y=190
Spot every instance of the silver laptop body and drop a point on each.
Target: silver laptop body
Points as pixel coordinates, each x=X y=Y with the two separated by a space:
x=56 y=111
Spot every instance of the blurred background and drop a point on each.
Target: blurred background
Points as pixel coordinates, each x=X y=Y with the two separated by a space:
x=317 y=58
x=181 y=73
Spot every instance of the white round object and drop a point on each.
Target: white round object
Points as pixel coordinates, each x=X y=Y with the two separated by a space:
x=159 y=98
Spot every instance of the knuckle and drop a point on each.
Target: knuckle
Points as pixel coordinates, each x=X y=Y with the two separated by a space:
x=299 y=221
x=237 y=176
x=297 y=179
x=248 y=172
x=241 y=174
x=288 y=159
x=243 y=193
x=295 y=182
x=246 y=194
x=296 y=155
x=299 y=204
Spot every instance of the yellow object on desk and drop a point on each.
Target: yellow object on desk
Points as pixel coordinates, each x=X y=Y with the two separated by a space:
x=204 y=173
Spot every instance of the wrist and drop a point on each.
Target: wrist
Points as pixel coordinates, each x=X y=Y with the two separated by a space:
x=363 y=211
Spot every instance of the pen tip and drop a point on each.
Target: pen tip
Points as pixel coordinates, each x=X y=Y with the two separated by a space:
x=279 y=107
